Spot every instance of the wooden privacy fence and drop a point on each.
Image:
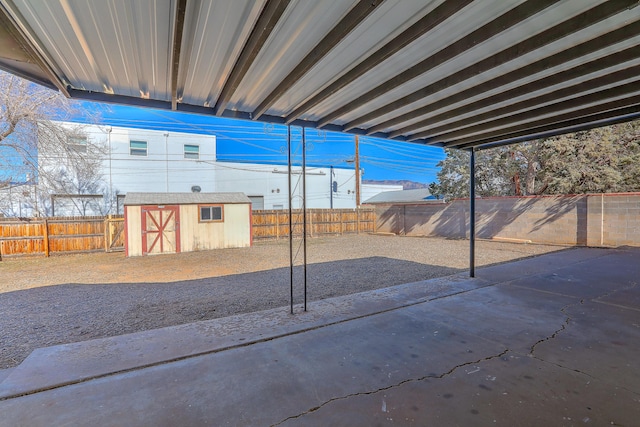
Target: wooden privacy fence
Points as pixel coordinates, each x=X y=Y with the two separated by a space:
x=274 y=224
x=45 y=236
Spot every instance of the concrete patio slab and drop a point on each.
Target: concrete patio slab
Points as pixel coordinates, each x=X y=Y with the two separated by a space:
x=4 y=373
x=91 y=359
x=556 y=347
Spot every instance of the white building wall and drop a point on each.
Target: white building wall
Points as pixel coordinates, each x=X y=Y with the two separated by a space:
x=271 y=182
x=164 y=168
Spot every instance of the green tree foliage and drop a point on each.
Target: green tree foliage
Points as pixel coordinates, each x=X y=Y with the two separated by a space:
x=595 y=161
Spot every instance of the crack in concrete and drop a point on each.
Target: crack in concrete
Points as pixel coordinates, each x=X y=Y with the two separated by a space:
x=566 y=324
x=410 y=380
x=562 y=328
x=568 y=319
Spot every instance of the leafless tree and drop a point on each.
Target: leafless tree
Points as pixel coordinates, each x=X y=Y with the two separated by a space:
x=30 y=124
x=70 y=164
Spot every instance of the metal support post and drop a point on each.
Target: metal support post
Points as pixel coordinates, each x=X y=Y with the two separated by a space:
x=290 y=217
x=304 y=212
x=472 y=213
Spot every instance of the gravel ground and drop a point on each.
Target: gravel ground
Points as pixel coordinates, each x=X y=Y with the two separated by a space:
x=63 y=299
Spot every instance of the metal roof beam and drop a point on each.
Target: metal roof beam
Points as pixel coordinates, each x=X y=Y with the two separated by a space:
x=421 y=27
x=546 y=63
x=198 y=109
x=351 y=20
x=491 y=29
x=575 y=106
x=269 y=17
x=593 y=114
x=615 y=119
x=13 y=29
x=178 y=30
x=546 y=37
x=460 y=126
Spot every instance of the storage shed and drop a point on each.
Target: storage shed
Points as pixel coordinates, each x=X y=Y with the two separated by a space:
x=158 y=223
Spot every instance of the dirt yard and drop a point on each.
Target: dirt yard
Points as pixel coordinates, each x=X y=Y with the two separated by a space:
x=62 y=299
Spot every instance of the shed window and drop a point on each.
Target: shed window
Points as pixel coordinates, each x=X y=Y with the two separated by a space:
x=138 y=148
x=213 y=213
x=191 y=151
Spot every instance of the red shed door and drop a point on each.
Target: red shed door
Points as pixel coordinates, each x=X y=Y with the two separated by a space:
x=160 y=229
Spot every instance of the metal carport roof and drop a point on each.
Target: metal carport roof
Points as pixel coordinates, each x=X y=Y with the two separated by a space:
x=452 y=73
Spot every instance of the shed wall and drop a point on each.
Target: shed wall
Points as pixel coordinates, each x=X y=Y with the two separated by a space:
x=233 y=232
x=133 y=224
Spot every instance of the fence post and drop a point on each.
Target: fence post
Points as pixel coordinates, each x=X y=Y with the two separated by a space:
x=374 y=221
x=45 y=237
x=277 y=226
x=107 y=233
x=357 y=220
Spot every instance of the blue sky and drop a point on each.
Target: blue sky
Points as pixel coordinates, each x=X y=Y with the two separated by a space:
x=247 y=141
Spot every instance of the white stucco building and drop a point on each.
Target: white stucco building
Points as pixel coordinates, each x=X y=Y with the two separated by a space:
x=141 y=160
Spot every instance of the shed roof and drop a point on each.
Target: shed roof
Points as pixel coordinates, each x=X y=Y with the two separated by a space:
x=136 y=199
x=453 y=73
x=418 y=195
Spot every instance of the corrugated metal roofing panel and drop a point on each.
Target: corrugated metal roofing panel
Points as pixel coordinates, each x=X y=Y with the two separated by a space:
x=447 y=97
x=472 y=57
x=302 y=26
x=467 y=20
x=214 y=40
x=107 y=46
x=397 y=14
x=400 y=69
x=537 y=55
x=136 y=199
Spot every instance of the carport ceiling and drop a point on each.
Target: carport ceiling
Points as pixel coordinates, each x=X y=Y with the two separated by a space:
x=453 y=73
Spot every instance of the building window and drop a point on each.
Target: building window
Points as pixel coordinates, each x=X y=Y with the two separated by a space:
x=191 y=152
x=211 y=213
x=78 y=143
x=138 y=148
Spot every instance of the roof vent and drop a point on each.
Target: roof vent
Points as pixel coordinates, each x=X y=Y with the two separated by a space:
x=195 y=189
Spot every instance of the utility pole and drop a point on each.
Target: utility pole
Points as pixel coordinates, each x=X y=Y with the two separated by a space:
x=357 y=164
x=331 y=187
x=166 y=153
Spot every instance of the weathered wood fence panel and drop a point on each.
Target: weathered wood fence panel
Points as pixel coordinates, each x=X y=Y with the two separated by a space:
x=21 y=237
x=274 y=224
x=36 y=236
x=76 y=235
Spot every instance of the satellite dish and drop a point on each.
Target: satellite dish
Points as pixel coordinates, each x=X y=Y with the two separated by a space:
x=195 y=189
